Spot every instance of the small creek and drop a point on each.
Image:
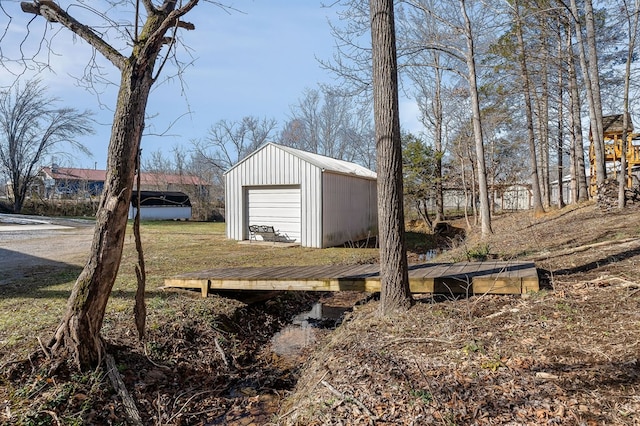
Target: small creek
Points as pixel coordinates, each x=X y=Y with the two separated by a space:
x=304 y=328
x=258 y=394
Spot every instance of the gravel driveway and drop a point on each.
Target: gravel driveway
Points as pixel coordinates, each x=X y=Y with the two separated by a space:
x=34 y=242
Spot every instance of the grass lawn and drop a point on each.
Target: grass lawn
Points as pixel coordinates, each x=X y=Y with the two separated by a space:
x=32 y=306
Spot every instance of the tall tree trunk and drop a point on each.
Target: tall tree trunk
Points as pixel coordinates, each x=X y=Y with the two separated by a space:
x=466 y=191
x=483 y=189
x=474 y=185
x=577 y=142
x=395 y=294
x=437 y=110
x=588 y=76
x=560 y=151
x=594 y=72
x=544 y=127
x=632 y=20
x=524 y=74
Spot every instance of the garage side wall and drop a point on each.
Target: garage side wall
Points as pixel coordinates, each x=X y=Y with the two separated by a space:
x=269 y=167
x=349 y=209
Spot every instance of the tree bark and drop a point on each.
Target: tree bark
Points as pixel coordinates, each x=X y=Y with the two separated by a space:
x=483 y=189
x=596 y=132
x=538 y=209
x=544 y=126
x=560 y=149
x=577 y=142
x=78 y=334
x=594 y=74
x=466 y=192
x=632 y=20
x=439 y=152
x=395 y=293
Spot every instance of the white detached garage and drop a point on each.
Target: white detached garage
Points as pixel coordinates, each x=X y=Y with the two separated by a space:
x=311 y=199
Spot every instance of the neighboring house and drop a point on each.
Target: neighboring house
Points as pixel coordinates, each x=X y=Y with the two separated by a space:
x=567 y=192
x=161 y=205
x=308 y=198
x=514 y=197
x=57 y=181
x=60 y=181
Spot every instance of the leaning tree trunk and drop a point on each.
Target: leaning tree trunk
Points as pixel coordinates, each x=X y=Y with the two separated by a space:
x=78 y=333
x=395 y=294
x=594 y=72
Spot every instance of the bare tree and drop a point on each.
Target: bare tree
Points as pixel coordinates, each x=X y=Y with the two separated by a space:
x=454 y=35
x=395 y=293
x=579 y=185
x=229 y=142
x=78 y=335
x=591 y=78
x=330 y=123
x=31 y=127
x=526 y=90
x=429 y=82
x=632 y=13
x=485 y=211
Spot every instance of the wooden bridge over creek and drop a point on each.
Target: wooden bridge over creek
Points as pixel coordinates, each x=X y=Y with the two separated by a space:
x=493 y=277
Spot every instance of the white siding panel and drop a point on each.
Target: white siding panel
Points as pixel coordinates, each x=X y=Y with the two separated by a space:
x=349 y=209
x=233 y=210
x=311 y=206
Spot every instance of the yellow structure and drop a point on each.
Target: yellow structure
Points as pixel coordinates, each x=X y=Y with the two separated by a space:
x=613 y=130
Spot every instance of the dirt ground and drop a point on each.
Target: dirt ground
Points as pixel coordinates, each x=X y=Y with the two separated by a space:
x=565 y=355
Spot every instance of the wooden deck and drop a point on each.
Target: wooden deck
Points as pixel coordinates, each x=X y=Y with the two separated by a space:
x=495 y=277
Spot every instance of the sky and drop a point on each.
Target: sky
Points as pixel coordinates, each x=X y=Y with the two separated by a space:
x=256 y=61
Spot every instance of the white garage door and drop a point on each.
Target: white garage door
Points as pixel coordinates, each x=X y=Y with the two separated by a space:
x=278 y=206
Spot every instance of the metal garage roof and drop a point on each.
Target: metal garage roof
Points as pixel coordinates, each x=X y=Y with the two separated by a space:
x=321 y=161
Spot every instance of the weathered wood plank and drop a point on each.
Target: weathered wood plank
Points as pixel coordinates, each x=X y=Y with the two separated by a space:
x=455 y=278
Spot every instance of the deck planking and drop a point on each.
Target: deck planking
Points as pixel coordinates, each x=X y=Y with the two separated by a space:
x=494 y=277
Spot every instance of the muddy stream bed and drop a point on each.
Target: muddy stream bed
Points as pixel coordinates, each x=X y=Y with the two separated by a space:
x=206 y=368
x=258 y=395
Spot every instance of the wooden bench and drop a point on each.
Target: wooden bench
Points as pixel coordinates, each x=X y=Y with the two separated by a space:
x=267 y=232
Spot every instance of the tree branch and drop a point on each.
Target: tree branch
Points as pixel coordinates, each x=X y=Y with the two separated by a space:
x=172 y=19
x=148 y=5
x=54 y=13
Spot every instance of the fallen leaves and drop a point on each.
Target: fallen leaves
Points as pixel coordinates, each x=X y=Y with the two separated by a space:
x=541 y=361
